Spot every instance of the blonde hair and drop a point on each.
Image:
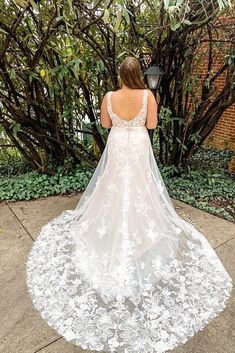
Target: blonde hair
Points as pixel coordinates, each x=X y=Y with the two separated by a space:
x=130 y=73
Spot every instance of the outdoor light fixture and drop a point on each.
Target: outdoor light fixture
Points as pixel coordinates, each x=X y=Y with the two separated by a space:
x=154 y=76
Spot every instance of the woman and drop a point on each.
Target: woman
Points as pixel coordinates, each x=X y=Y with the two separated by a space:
x=122 y=272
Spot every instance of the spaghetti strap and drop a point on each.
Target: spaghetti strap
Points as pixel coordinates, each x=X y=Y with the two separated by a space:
x=109 y=107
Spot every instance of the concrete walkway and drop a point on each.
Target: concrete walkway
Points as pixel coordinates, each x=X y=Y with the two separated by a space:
x=22 y=330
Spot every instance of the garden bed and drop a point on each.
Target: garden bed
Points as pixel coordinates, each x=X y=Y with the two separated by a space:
x=205 y=183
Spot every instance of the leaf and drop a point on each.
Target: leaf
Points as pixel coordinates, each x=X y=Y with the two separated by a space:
x=166 y=3
x=21 y=3
x=34 y=5
x=178 y=140
x=207 y=82
x=2 y=30
x=105 y=17
x=172 y=9
x=75 y=72
x=175 y=25
x=12 y=73
x=118 y=20
x=127 y=16
x=59 y=18
x=187 y=22
x=42 y=73
x=15 y=128
x=222 y=4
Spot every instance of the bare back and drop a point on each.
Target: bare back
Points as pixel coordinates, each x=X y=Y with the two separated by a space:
x=129 y=107
x=127 y=103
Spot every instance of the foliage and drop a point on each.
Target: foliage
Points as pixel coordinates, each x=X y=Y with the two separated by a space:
x=58 y=58
x=210 y=158
x=211 y=192
x=17 y=166
x=11 y=163
x=205 y=183
x=33 y=185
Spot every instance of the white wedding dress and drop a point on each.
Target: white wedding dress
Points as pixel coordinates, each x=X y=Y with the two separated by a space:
x=123 y=272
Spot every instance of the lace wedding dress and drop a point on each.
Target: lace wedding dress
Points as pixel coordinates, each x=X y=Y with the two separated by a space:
x=123 y=272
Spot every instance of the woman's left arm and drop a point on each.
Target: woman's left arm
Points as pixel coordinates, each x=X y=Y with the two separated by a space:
x=105 y=119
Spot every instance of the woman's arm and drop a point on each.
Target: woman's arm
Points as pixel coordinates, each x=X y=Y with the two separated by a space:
x=105 y=119
x=152 y=118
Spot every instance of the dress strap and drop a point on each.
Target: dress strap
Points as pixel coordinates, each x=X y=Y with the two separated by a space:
x=109 y=107
x=145 y=99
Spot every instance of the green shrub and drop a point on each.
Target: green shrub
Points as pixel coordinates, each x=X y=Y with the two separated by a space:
x=205 y=182
x=33 y=185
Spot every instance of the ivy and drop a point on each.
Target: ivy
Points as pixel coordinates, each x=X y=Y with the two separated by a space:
x=204 y=183
x=33 y=185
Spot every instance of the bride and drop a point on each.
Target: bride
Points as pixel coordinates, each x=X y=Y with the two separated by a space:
x=123 y=272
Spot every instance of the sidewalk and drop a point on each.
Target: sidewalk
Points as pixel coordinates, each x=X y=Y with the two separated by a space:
x=22 y=329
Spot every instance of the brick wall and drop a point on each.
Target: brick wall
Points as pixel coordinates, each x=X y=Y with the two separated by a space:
x=223 y=134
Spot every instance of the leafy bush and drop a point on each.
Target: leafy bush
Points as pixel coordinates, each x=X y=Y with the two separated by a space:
x=197 y=189
x=207 y=158
x=11 y=161
x=13 y=166
x=33 y=185
x=204 y=183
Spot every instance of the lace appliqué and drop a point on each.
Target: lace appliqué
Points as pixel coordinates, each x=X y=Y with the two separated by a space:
x=153 y=318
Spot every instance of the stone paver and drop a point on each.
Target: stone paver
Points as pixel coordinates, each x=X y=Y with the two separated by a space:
x=216 y=229
x=61 y=346
x=33 y=214
x=22 y=329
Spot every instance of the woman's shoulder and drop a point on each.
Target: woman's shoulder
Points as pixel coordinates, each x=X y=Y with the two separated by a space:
x=150 y=93
x=105 y=96
x=109 y=92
